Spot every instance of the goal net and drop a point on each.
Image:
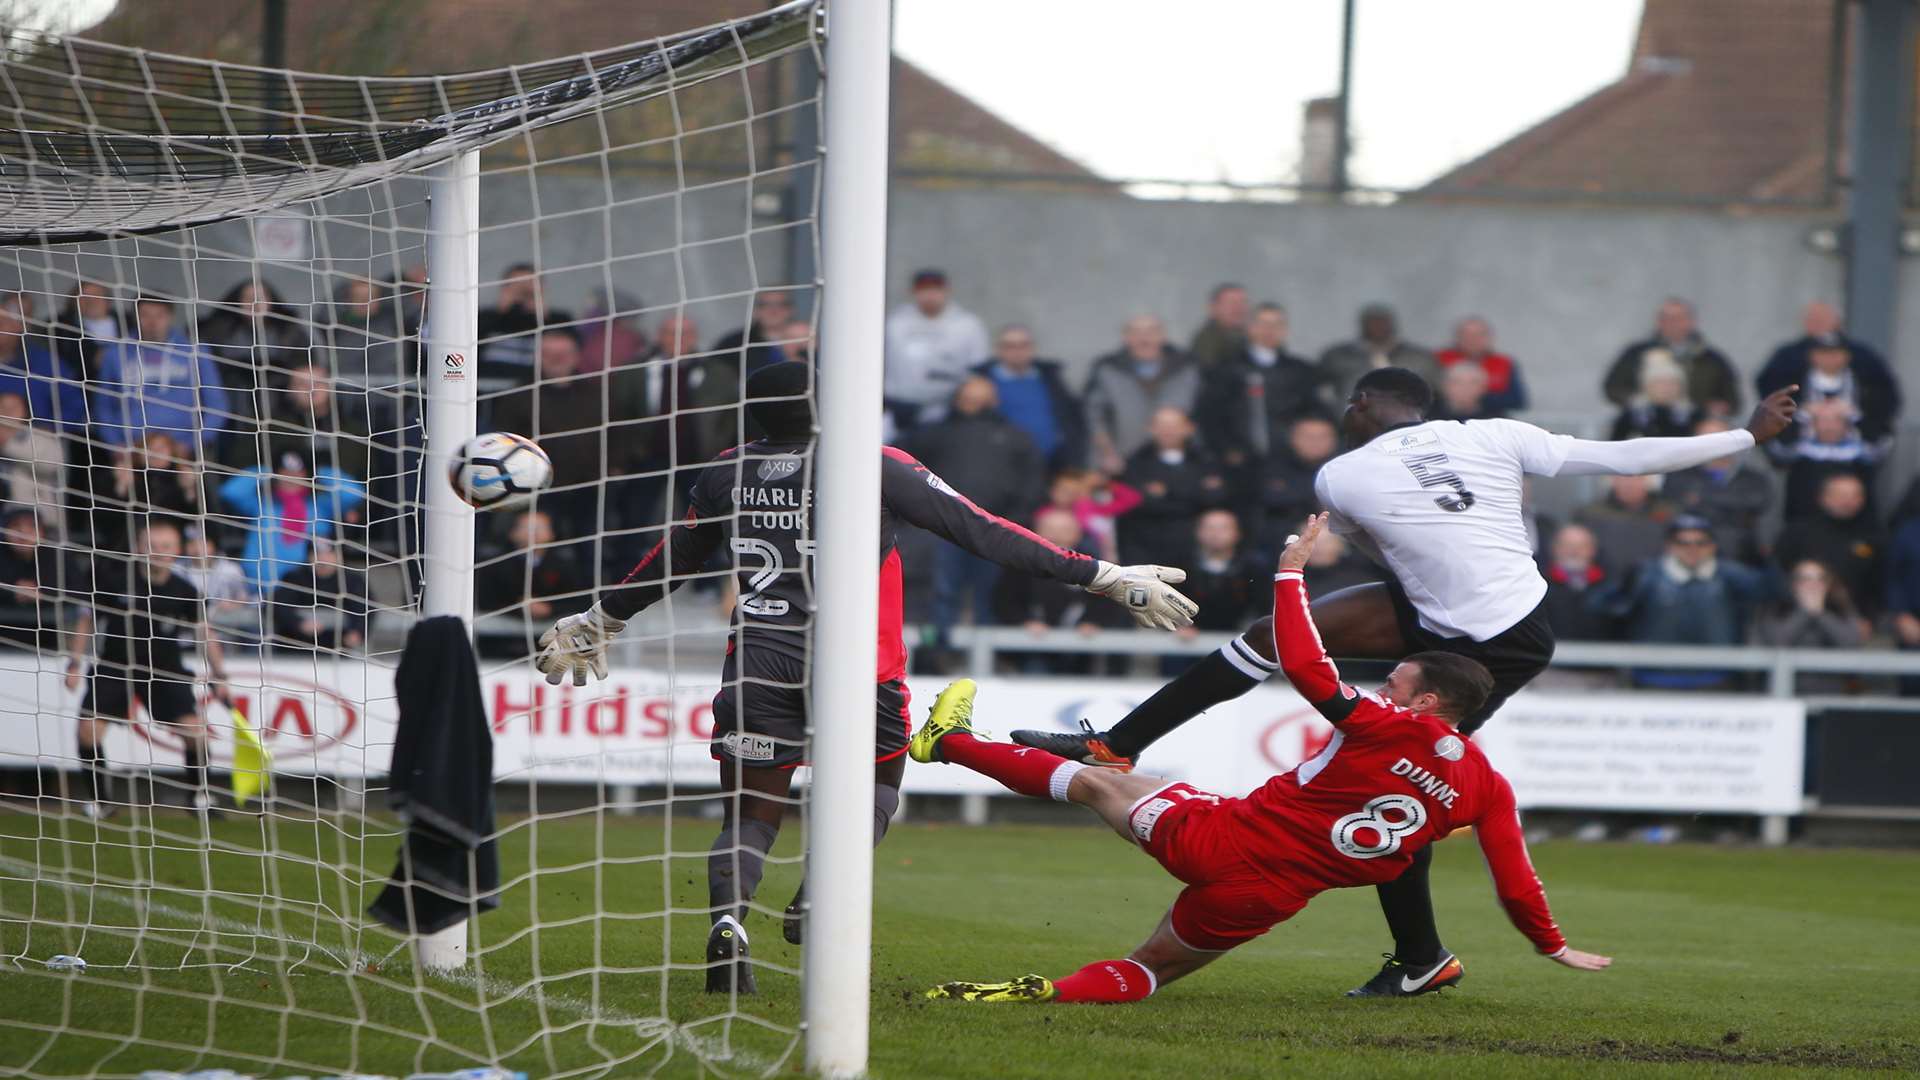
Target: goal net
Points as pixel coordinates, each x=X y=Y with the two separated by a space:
x=229 y=386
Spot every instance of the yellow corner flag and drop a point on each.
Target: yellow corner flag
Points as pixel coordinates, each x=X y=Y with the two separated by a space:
x=252 y=763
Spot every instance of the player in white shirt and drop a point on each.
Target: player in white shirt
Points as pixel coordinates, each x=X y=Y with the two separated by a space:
x=1437 y=503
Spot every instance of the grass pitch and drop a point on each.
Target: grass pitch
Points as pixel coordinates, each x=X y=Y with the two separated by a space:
x=1730 y=962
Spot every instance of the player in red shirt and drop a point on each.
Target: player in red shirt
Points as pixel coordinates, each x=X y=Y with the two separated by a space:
x=757 y=501
x=1395 y=777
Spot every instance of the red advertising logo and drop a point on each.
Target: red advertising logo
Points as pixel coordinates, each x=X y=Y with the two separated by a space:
x=295 y=719
x=609 y=713
x=1294 y=738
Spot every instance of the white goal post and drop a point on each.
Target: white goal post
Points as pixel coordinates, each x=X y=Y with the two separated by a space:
x=854 y=211
x=334 y=258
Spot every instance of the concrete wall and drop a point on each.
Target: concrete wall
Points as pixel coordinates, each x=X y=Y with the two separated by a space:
x=1564 y=288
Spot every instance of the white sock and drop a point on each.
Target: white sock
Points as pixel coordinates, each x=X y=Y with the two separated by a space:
x=1246 y=661
x=1063 y=776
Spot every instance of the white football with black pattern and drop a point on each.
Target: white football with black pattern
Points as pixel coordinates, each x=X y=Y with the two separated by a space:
x=499 y=469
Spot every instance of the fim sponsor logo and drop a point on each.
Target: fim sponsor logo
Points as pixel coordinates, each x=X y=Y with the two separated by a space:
x=1144 y=818
x=1450 y=748
x=453 y=367
x=747 y=747
x=779 y=468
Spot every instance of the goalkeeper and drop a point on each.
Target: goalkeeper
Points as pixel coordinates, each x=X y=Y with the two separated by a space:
x=760 y=496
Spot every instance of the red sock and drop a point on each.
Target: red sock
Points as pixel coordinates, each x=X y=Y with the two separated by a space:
x=1106 y=982
x=1023 y=769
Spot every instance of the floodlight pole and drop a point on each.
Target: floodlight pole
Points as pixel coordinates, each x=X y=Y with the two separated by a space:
x=839 y=937
x=1343 y=118
x=447 y=376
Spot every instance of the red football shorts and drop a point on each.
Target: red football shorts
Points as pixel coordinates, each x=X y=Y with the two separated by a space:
x=1226 y=902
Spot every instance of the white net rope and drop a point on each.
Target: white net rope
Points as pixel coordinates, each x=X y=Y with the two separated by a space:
x=211 y=317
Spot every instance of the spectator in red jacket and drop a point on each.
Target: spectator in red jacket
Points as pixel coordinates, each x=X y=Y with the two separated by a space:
x=1463 y=395
x=1473 y=344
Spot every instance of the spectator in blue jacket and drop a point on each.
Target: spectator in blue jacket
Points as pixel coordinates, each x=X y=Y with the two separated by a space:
x=1688 y=596
x=1034 y=398
x=161 y=382
x=31 y=368
x=285 y=509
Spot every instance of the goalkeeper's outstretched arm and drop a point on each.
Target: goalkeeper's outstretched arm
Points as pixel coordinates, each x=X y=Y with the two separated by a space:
x=577 y=644
x=912 y=491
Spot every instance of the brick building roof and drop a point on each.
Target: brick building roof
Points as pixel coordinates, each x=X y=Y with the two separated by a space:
x=1722 y=101
x=934 y=125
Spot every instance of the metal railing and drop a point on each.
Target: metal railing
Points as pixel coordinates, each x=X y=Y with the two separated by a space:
x=1781 y=666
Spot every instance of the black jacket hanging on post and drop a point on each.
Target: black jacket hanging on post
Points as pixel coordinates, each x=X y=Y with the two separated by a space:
x=442 y=786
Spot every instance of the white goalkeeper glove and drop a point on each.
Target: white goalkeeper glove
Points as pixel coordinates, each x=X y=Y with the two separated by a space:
x=577 y=644
x=1148 y=593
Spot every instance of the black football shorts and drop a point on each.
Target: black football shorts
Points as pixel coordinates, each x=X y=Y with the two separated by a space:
x=168 y=696
x=760 y=714
x=1513 y=656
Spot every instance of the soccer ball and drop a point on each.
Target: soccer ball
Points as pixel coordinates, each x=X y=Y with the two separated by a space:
x=499 y=468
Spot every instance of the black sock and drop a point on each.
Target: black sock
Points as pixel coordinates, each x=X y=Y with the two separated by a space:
x=196 y=755
x=92 y=761
x=735 y=864
x=1219 y=676
x=886 y=803
x=1407 y=903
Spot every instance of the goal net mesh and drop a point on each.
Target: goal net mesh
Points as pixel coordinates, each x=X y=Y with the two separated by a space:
x=212 y=299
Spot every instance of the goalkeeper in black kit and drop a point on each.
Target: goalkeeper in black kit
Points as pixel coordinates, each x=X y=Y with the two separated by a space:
x=758 y=500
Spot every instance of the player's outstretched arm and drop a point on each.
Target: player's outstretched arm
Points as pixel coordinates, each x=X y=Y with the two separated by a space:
x=1303 y=658
x=1148 y=593
x=1642 y=457
x=577 y=645
x=912 y=491
x=1774 y=414
x=1519 y=889
x=1582 y=961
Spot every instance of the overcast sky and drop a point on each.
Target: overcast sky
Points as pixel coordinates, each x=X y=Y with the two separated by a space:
x=1212 y=89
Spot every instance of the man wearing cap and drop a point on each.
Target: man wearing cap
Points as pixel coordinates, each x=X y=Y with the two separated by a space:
x=1828 y=364
x=1379 y=345
x=931 y=342
x=1689 y=595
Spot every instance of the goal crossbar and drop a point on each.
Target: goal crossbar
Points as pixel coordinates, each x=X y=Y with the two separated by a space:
x=64 y=178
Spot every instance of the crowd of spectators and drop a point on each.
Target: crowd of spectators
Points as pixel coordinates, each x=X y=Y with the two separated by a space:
x=1203 y=456
x=282 y=438
x=252 y=426
x=285 y=441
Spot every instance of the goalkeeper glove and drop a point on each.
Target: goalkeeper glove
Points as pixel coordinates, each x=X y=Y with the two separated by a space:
x=577 y=644
x=1148 y=593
